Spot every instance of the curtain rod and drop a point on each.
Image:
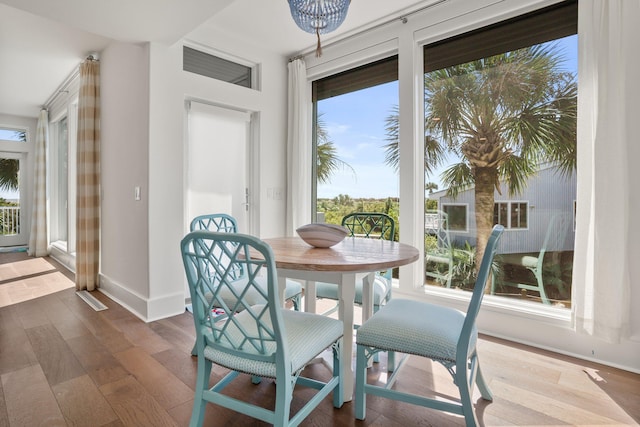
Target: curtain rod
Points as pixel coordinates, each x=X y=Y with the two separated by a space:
x=62 y=88
x=402 y=17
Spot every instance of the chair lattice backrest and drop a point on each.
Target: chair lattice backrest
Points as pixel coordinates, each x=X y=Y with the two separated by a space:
x=371 y=225
x=215 y=222
x=436 y=223
x=211 y=260
x=219 y=222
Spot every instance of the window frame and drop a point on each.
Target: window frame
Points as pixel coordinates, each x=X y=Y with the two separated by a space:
x=63 y=250
x=426 y=28
x=510 y=203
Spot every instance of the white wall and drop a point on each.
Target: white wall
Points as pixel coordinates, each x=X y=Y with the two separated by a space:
x=125 y=145
x=144 y=89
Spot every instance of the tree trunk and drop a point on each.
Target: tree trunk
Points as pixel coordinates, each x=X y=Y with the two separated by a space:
x=485 y=180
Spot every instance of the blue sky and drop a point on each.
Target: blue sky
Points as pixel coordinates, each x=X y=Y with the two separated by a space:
x=356 y=125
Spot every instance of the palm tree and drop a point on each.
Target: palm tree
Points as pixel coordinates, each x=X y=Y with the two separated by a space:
x=502 y=116
x=9 y=169
x=430 y=186
x=327 y=159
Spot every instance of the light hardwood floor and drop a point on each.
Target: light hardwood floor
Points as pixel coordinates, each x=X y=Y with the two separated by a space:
x=64 y=364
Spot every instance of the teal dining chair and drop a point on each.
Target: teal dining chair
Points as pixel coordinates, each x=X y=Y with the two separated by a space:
x=370 y=225
x=442 y=334
x=553 y=242
x=263 y=340
x=225 y=223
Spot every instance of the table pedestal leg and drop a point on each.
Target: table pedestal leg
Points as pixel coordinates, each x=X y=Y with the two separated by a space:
x=345 y=313
x=310 y=296
x=282 y=284
x=367 y=296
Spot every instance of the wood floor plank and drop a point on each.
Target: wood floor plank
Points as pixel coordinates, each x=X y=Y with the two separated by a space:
x=134 y=405
x=30 y=400
x=182 y=365
x=101 y=327
x=165 y=387
x=551 y=406
x=16 y=351
x=4 y=417
x=31 y=313
x=97 y=360
x=82 y=404
x=54 y=355
x=9 y=318
x=138 y=332
x=179 y=335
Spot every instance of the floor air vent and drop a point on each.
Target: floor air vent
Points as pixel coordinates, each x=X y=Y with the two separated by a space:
x=91 y=300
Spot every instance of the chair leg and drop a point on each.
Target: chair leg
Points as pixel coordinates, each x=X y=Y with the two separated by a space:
x=361 y=379
x=466 y=394
x=338 y=392
x=465 y=386
x=202 y=383
x=391 y=361
x=297 y=302
x=376 y=357
x=485 y=391
x=543 y=295
x=284 y=394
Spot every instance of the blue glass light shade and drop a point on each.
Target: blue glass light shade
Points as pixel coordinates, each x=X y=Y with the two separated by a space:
x=319 y=16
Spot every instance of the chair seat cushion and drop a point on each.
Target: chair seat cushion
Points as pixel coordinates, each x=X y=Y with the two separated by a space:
x=253 y=297
x=381 y=288
x=519 y=259
x=306 y=334
x=441 y=258
x=415 y=327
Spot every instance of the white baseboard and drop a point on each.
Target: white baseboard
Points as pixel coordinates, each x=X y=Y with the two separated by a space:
x=147 y=309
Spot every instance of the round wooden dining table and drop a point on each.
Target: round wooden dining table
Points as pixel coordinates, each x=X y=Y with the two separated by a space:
x=347 y=262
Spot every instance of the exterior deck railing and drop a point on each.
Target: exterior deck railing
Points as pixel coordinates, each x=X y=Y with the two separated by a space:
x=9 y=220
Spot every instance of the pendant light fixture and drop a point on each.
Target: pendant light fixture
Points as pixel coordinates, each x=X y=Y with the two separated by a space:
x=319 y=16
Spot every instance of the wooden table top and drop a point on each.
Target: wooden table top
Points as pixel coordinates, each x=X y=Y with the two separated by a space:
x=353 y=254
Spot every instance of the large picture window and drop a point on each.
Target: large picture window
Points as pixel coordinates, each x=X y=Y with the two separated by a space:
x=500 y=122
x=351 y=122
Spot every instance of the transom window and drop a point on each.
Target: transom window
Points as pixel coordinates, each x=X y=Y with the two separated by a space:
x=13 y=134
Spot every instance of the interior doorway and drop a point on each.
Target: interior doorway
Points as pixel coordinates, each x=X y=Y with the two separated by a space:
x=218 y=155
x=13 y=216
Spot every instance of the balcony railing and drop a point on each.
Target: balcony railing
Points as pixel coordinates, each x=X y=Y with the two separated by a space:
x=9 y=220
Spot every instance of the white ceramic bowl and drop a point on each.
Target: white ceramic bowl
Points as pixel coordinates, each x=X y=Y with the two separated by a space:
x=322 y=235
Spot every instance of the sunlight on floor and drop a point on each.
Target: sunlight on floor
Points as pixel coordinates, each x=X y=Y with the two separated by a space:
x=28 y=279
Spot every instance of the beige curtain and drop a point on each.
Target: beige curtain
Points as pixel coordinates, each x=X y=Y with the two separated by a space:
x=38 y=244
x=88 y=178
